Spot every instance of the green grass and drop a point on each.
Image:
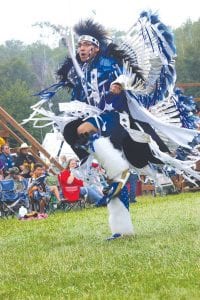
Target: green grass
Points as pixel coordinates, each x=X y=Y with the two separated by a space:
x=66 y=255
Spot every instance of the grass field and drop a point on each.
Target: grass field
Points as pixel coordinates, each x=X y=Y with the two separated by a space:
x=66 y=256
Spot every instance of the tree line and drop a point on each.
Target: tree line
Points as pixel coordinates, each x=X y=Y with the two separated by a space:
x=27 y=69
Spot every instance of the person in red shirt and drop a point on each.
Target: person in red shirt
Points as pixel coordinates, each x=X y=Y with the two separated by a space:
x=73 y=188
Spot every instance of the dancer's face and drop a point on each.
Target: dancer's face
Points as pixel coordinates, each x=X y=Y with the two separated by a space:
x=87 y=50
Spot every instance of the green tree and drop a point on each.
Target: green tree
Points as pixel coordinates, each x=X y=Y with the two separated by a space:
x=15 y=69
x=188 y=59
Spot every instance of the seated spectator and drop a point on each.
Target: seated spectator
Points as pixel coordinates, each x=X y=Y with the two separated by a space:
x=25 y=161
x=67 y=179
x=38 y=190
x=6 y=158
x=20 y=184
x=1 y=170
x=63 y=161
x=52 y=183
x=51 y=179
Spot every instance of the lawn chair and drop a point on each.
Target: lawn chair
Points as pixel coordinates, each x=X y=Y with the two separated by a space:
x=165 y=185
x=52 y=205
x=39 y=197
x=10 y=200
x=71 y=196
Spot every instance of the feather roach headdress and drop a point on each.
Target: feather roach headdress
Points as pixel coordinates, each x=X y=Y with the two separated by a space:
x=94 y=30
x=89 y=28
x=86 y=30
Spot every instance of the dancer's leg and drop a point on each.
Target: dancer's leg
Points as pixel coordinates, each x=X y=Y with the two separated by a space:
x=71 y=137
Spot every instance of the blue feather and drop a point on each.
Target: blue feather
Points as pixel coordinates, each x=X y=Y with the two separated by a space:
x=144 y=14
x=154 y=19
x=187 y=109
x=49 y=92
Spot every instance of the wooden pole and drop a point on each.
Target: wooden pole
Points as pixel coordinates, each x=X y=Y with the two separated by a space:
x=19 y=140
x=29 y=137
x=16 y=137
x=188 y=84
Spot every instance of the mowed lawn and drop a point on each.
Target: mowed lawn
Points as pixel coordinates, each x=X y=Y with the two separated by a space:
x=66 y=255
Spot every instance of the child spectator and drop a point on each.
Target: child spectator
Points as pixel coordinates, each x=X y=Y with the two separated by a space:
x=37 y=189
x=39 y=192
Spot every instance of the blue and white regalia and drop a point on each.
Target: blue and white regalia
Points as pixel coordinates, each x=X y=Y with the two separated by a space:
x=137 y=127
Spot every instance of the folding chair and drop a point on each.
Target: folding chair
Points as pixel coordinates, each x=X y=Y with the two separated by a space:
x=165 y=185
x=52 y=205
x=71 y=195
x=10 y=200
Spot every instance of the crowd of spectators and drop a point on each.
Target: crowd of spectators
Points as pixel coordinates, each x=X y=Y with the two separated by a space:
x=39 y=185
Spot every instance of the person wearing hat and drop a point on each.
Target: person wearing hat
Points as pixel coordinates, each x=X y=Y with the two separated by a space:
x=25 y=161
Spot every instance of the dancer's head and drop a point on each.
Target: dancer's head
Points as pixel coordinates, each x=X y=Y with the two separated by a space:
x=92 y=36
x=87 y=50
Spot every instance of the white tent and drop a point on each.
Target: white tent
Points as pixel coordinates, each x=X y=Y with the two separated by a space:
x=56 y=146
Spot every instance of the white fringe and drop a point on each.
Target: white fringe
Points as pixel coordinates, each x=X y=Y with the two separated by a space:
x=181 y=136
x=183 y=168
x=119 y=218
x=110 y=158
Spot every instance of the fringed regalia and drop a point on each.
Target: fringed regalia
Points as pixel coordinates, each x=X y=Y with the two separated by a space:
x=137 y=128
